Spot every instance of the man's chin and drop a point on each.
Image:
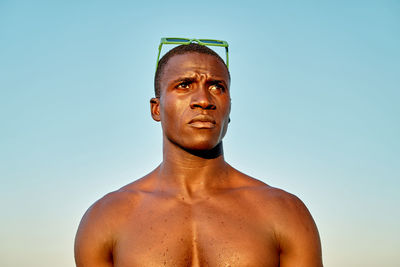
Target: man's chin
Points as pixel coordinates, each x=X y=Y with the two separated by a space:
x=199 y=146
x=202 y=144
x=205 y=149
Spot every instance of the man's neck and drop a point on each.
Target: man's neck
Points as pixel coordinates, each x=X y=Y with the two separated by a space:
x=191 y=174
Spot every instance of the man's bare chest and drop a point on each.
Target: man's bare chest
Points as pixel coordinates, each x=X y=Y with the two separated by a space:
x=206 y=234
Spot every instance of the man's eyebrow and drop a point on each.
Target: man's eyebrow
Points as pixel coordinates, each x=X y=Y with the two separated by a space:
x=193 y=79
x=216 y=81
x=184 y=79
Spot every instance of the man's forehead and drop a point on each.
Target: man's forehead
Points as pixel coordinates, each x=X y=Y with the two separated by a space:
x=193 y=62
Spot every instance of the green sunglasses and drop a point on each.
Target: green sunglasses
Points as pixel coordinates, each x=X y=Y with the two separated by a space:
x=186 y=41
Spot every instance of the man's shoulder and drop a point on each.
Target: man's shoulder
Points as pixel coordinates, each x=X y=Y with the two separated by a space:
x=291 y=223
x=271 y=198
x=113 y=202
x=284 y=212
x=117 y=204
x=100 y=224
x=260 y=188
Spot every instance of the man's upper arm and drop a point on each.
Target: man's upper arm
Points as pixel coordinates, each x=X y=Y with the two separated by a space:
x=93 y=241
x=298 y=236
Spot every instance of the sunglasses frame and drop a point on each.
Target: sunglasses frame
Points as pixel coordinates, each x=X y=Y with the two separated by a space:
x=187 y=41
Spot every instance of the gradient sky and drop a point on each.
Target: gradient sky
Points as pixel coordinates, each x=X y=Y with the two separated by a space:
x=315 y=111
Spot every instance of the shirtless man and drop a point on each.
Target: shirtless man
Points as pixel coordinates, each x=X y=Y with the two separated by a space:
x=195 y=209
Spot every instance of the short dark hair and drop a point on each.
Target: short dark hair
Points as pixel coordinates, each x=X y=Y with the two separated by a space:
x=180 y=50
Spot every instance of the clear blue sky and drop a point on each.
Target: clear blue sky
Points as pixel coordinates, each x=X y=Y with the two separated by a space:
x=315 y=93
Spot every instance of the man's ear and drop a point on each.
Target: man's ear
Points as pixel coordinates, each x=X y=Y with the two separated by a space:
x=155 y=108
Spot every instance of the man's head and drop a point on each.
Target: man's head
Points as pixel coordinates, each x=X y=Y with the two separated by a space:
x=180 y=50
x=194 y=100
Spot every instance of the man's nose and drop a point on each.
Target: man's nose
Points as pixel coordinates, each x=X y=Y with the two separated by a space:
x=202 y=99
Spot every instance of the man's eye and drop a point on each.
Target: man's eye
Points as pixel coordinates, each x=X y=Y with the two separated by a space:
x=183 y=85
x=217 y=88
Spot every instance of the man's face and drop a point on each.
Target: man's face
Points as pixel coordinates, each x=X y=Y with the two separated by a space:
x=195 y=103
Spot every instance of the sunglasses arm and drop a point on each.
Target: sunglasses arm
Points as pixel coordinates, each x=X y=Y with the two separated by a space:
x=159 y=52
x=227 y=57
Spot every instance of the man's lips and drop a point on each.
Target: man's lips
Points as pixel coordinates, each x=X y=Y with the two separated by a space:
x=202 y=122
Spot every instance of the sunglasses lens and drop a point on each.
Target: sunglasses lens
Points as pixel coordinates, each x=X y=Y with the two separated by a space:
x=211 y=41
x=177 y=40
